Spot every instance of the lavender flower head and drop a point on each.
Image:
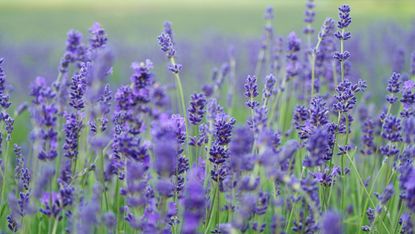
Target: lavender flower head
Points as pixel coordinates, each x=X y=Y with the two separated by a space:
x=318 y=148
x=344 y=17
x=346 y=95
x=142 y=80
x=391 y=129
x=166 y=44
x=331 y=223
x=45 y=114
x=74 y=39
x=98 y=37
x=165 y=152
x=72 y=53
x=293 y=65
x=309 y=17
x=194 y=203
x=78 y=88
x=269 y=13
x=4 y=97
x=269 y=86
x=394 y=83
x=197 y=108
x=251 y=91
x=327 y=29
x=342 y=34
x=72 y=130
x=393 y=87
x=168 y=30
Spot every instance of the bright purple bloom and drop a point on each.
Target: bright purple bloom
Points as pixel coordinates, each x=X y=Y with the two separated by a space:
x=346 y=96
x=269 y=13
x=73 y=44
x=166 y=44
x=142 y=80
x=4 y=97
x=293 y=65
x=391 y=129
x=251 y=91
x=394 y=87
x=327 y=29
x=78 y=88
x=368 y=138
x=386 y=195
x=88 y=213
x=72 y=130
x=344 y=17
x=331 y=223
x=165 y=162
x=168 y=29
x=309 y=17
x=194 y=203
x=175 y=68
x=318 y=148
x=98 y=37
x=269 y=86
x=197 y=108
x=223 y=129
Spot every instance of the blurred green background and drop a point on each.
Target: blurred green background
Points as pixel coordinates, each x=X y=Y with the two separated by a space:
x=140 y=21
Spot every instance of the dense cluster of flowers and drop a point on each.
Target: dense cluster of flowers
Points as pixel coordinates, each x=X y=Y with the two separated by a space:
x=310 y=157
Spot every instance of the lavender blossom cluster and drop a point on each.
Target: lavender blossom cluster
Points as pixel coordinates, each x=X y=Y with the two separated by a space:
x=302 y=151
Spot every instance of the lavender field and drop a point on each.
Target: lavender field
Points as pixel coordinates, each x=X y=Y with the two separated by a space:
x=300 y=121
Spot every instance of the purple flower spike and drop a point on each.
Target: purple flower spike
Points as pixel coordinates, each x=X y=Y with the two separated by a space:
x=98 y=37
x=166 y=44
x=197 y=108
x=78 y=88
x=293 y=65
x=251 y=91
x=331 y=223
x=4 y=97
x=269 y=13
x=309 y=17
x=194 y=203
x=72 y=130
x=344 y=17
x=327 y=29
x=318 y=148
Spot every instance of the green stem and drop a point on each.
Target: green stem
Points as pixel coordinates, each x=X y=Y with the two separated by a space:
x=342 y=51
x=313 y=66
x=214 y=211
x=6 y=166
x=364 y=187
x=55 y=226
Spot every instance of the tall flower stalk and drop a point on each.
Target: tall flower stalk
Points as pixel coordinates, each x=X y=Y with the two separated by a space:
x=342 y=24
x=166 y=43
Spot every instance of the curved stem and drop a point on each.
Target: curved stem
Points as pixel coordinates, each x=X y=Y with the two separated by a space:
x=181 y=95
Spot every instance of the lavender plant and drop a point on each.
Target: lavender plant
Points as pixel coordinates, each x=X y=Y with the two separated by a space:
x=303 y=153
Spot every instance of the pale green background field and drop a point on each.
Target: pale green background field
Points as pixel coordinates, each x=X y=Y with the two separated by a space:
x=140 y=21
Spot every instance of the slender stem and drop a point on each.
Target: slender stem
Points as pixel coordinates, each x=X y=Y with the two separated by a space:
x=231 y=85
x=55 y=226
x=313 y=73
x=313 y=65
x=6 y=166
x=364 y=187
x=181 y=95
x=342 y=51
x=211 y=222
